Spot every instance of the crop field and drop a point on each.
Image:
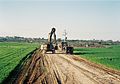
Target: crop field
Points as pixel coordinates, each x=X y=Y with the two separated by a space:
x=110 y=57
x=10 y=55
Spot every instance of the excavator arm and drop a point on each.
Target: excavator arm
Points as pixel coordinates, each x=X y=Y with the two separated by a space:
x=51 y=45
x=50 y=35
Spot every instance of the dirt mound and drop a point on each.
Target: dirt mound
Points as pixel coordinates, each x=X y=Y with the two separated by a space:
x=64 y=69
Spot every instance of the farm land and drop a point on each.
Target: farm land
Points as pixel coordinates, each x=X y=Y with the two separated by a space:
x=11 y=53
x=109 y=57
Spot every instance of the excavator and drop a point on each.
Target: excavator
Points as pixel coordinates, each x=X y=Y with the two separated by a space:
x=52 y=45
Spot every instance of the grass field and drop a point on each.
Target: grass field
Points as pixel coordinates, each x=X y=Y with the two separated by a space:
x=107 y=56
x=10 y=55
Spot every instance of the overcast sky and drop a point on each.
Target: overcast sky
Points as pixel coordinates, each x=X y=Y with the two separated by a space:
x=89 y=19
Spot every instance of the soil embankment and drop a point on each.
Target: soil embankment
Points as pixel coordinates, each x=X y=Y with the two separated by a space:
x=64 y=69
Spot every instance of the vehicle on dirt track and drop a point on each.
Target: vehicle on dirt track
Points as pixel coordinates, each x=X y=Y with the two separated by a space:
x=52 y=45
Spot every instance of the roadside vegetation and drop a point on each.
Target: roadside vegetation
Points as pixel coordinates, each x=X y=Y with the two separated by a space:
x=110 y=56
x=11 y=54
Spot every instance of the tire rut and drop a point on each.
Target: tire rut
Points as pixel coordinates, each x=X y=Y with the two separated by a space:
x=93 y=75
x=62 y=69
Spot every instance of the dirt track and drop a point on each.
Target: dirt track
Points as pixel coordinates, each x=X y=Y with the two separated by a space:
x=65 y=69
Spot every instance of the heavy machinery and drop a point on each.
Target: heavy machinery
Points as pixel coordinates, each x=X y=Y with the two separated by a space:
x=51 y=45
x=64 y=46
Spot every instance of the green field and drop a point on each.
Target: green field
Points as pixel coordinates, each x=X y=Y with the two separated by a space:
x=110 y=57
x=10 y=55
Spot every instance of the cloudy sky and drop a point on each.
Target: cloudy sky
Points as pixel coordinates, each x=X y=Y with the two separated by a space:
x=82 y=19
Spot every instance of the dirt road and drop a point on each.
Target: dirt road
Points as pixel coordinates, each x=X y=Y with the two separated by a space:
x=65 y=69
